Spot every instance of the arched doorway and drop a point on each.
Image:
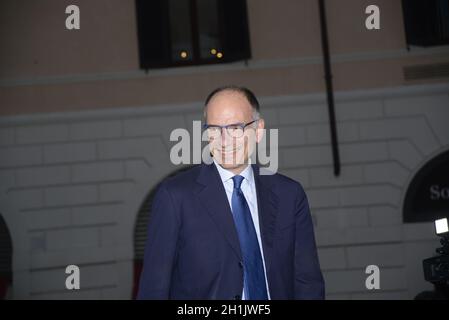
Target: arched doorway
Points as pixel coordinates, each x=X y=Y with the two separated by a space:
x=426 y=200
x=5 y=261
x=140 y=232
x=427 y=197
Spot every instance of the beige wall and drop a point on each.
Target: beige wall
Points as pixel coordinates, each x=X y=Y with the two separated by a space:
x=35 y=41
x=44 y=67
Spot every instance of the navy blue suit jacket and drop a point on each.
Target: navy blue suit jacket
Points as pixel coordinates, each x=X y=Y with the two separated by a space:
x=192 y=249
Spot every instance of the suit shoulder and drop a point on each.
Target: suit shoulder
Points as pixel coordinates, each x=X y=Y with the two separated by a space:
x=181 y=179
x=282 y=182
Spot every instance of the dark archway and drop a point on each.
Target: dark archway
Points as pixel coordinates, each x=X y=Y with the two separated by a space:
x=427 y=197
x=5 y=260
x=140 y=231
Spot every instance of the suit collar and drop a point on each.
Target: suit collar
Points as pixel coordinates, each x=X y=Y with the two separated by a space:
x=225 y=174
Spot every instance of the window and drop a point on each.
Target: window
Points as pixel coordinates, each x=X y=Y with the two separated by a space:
x=191 y=32
x=426 y=22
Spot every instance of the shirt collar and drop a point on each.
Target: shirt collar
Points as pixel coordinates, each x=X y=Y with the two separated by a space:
x=225 y=175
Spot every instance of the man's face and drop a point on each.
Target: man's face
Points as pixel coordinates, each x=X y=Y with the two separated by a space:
x=231 y=152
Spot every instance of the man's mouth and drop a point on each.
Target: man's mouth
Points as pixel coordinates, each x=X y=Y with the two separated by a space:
x=229 y=150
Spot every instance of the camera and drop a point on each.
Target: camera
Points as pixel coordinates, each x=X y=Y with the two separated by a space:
x=436 y=269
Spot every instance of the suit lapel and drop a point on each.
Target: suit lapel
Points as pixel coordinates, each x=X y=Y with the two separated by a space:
x=213 y=197
x=267 y=203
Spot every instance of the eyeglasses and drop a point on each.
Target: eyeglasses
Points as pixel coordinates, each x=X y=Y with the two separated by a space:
x=235 y=130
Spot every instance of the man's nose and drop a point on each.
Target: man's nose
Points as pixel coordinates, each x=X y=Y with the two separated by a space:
x=224 y=136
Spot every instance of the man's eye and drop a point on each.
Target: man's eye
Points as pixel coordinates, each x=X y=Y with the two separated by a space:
x=214 y=130
x=234 y=128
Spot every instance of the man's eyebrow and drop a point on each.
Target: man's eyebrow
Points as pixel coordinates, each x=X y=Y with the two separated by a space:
x=230 y=124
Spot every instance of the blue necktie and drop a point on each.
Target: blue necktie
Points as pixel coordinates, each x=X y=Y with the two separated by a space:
x=253 y=272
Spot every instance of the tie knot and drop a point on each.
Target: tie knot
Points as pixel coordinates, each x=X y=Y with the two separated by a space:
x=237 y=181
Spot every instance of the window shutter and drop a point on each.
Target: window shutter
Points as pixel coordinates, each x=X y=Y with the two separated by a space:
x=153 y=33
x=143 y=216
x=141 y=228
x=235 y=30
x=426 y=22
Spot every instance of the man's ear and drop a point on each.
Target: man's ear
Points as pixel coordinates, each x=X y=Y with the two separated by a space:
x=260 y=130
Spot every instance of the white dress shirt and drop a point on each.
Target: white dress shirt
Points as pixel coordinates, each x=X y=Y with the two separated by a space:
x=249 y=191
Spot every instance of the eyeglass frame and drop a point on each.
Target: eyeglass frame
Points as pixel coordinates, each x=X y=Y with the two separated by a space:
x=241 y=125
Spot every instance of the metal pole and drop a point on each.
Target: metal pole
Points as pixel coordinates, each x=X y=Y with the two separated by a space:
x=329 y=88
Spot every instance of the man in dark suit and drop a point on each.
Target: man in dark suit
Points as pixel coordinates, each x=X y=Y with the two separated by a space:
x=226 y=231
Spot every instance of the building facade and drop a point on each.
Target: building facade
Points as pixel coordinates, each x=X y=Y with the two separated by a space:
x=85 y=138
